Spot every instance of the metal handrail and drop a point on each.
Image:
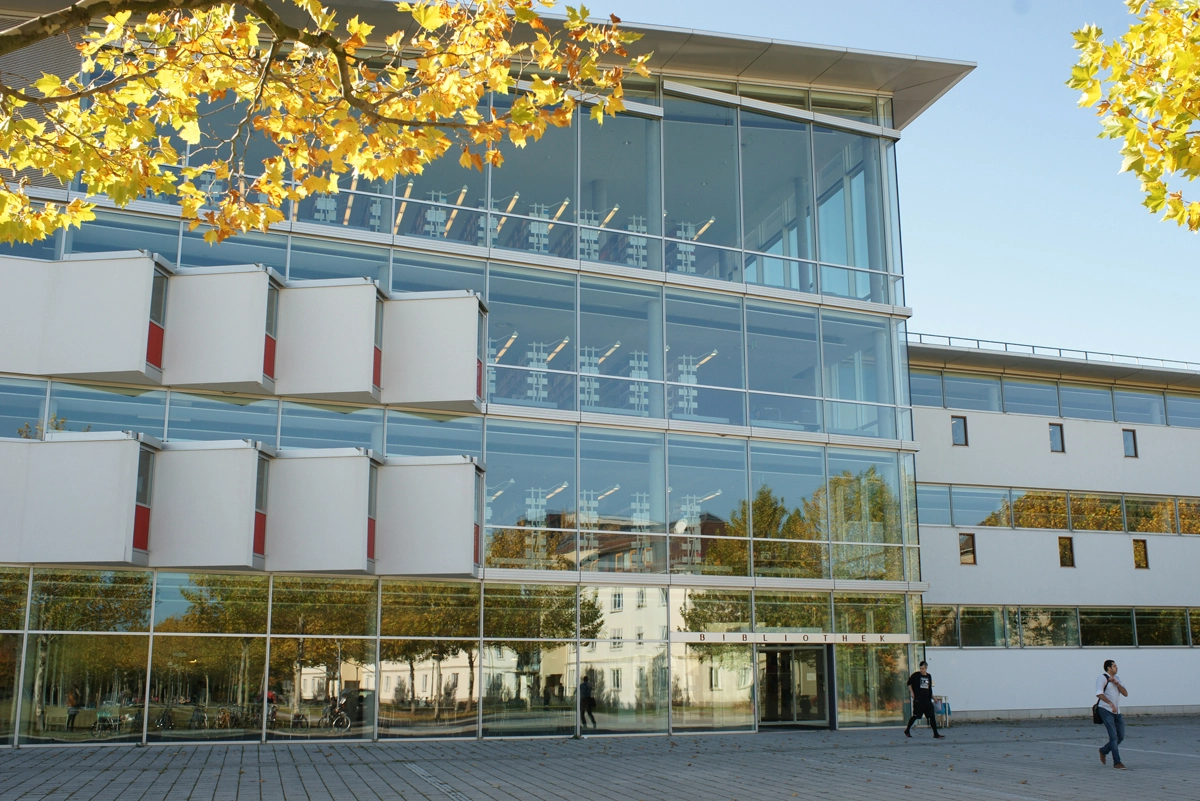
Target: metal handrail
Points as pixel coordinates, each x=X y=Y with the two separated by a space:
x=1042 y=350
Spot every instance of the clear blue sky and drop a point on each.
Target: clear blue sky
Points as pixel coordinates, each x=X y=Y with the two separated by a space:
x=1017 y=226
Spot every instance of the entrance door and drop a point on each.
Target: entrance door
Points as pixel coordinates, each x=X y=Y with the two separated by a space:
x=792 y=687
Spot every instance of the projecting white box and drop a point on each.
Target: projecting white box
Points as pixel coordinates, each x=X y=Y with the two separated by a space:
x=430 y=509
x=210 y=505
x=96 y=315
x=320 y=511
x=79 y=498
x=222 y=328
x=433 y=350
x=329 y=344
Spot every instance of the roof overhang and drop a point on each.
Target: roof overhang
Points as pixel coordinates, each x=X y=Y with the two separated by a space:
x=1028 y=364
x=914 y=82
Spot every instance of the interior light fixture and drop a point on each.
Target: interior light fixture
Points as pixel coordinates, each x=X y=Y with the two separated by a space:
x=609 y=352
x=454 y=213
x=608 y=492
x=503 y=220
x=704 y=228
x=561 y=345
x=706 y=358
x=403 y=206
x=566 y=202
x=507 y=345
x=610 y=215
x=350 y=199
x=556 y=490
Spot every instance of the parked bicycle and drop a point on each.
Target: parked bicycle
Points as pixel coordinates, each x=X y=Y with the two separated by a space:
x=199 y=719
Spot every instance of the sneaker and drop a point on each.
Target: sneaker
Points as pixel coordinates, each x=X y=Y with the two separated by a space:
x=1120 y=766
x=908 y=734
x=1103 y=759
x=939 y=737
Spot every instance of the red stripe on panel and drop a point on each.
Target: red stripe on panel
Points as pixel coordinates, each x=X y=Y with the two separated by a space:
x=269 y=357
x=260 y=533
x=370 y=538
x=141 y=527
x=378 y=371
x=154 y=345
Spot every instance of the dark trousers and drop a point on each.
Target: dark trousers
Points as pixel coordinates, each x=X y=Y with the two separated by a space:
x=922 y=709
x=585 y=712
x=1115 y=724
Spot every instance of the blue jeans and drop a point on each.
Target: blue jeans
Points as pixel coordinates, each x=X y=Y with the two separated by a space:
x=1116 y=733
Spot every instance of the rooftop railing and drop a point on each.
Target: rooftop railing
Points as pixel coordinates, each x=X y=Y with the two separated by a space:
x=1042 y=350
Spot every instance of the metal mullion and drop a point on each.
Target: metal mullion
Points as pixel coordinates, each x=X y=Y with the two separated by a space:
x=149 y=661
x=378 y=650
x=266 y=685
x=578 y=653
x=816 y=225
x=1133 y=622
x=167 y=419
x=479 y=669
x=16 y=741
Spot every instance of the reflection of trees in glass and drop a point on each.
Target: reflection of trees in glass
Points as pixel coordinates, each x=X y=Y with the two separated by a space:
x=421 y=609
x=1096 y=512
x=863 y=507
x=531 y=550
x=84 y=600
x=1033 y=509
x=14 y=587
x=940 y=626
x=773 y=520
x=1150 y=514
x=791 y=611
x=871 y=683
x=1189 y=516
x=715 y=611
x=224 y=604
x=311 y=606
x=873 y=614
x=103 y=672
x=710 y=556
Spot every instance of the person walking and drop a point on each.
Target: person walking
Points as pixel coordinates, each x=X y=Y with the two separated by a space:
x=586 y=702
x=1109 y=689
x=920 y=690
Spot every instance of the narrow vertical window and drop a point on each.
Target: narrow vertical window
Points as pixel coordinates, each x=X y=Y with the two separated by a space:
x=966 y=549
x=378 y=366
x=1130 y=437
x=1066 y=552
x=260 y=507
x=372 y=496
x=1141 y=558
x=272 y=329
x=158 y=320
x=1057 y=444
x=958 y=431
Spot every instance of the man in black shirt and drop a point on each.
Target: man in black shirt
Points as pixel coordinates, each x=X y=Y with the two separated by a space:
x=920 y=689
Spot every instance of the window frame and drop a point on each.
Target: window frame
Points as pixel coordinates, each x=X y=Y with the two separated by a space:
x=1069 y=541
x=966 y=440
x=1141 y=556
x=1129 y=440
x=967 y=549
x=1062 y=438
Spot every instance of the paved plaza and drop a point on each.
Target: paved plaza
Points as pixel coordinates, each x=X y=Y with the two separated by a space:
x=1050 y=760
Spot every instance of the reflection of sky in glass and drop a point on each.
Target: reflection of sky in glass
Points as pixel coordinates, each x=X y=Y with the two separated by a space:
x=707 y=484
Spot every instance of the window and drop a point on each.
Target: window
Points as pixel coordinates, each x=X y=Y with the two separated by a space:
x=640 y=635
x=1163 y=626
x=980 y=506
x=1056 y=438
x=1086 y=403
x=714 y=678
x=1183 y=410
x=615 y=681
x=958 y=431
x=145 y=473
x=933 y=505
x=941 y=629
x=1066 y=552
x=618 y=600
x=641 y=599
x=260 y=487
x=1106 y=626
x=1130 y=438
x=926 y=388
x=1031 y=397
x=1141 y=559
x=966 y=549
x=1140 y=407
x=617 y=638
x=981 y=626
x=972 y=392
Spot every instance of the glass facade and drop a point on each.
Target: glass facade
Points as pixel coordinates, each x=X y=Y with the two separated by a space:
x=158 y=656
x=1059 y=627
x=683 y=304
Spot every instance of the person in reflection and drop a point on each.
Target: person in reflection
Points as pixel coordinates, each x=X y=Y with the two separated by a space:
x=72 y=709
x=920 y=690
x=586 y=702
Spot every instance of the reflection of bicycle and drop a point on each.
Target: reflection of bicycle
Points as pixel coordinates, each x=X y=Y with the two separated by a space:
x=334 y=717
x=299 y=721
x=106 y=723
x=165 y=719
x=199 y=719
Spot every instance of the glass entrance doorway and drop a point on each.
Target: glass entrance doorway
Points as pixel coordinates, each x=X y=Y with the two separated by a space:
x=793 y=687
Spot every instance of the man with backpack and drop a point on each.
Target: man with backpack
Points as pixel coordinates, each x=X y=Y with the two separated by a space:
x=1109 y=690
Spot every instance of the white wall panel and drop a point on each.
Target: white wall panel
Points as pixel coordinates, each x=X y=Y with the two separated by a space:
x=1045 y=679
x=317 y=512
x=426 y=517
x=81 y=317
x=216 y=326
x=327 y=340
x=431 y=350
x=203 y=514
